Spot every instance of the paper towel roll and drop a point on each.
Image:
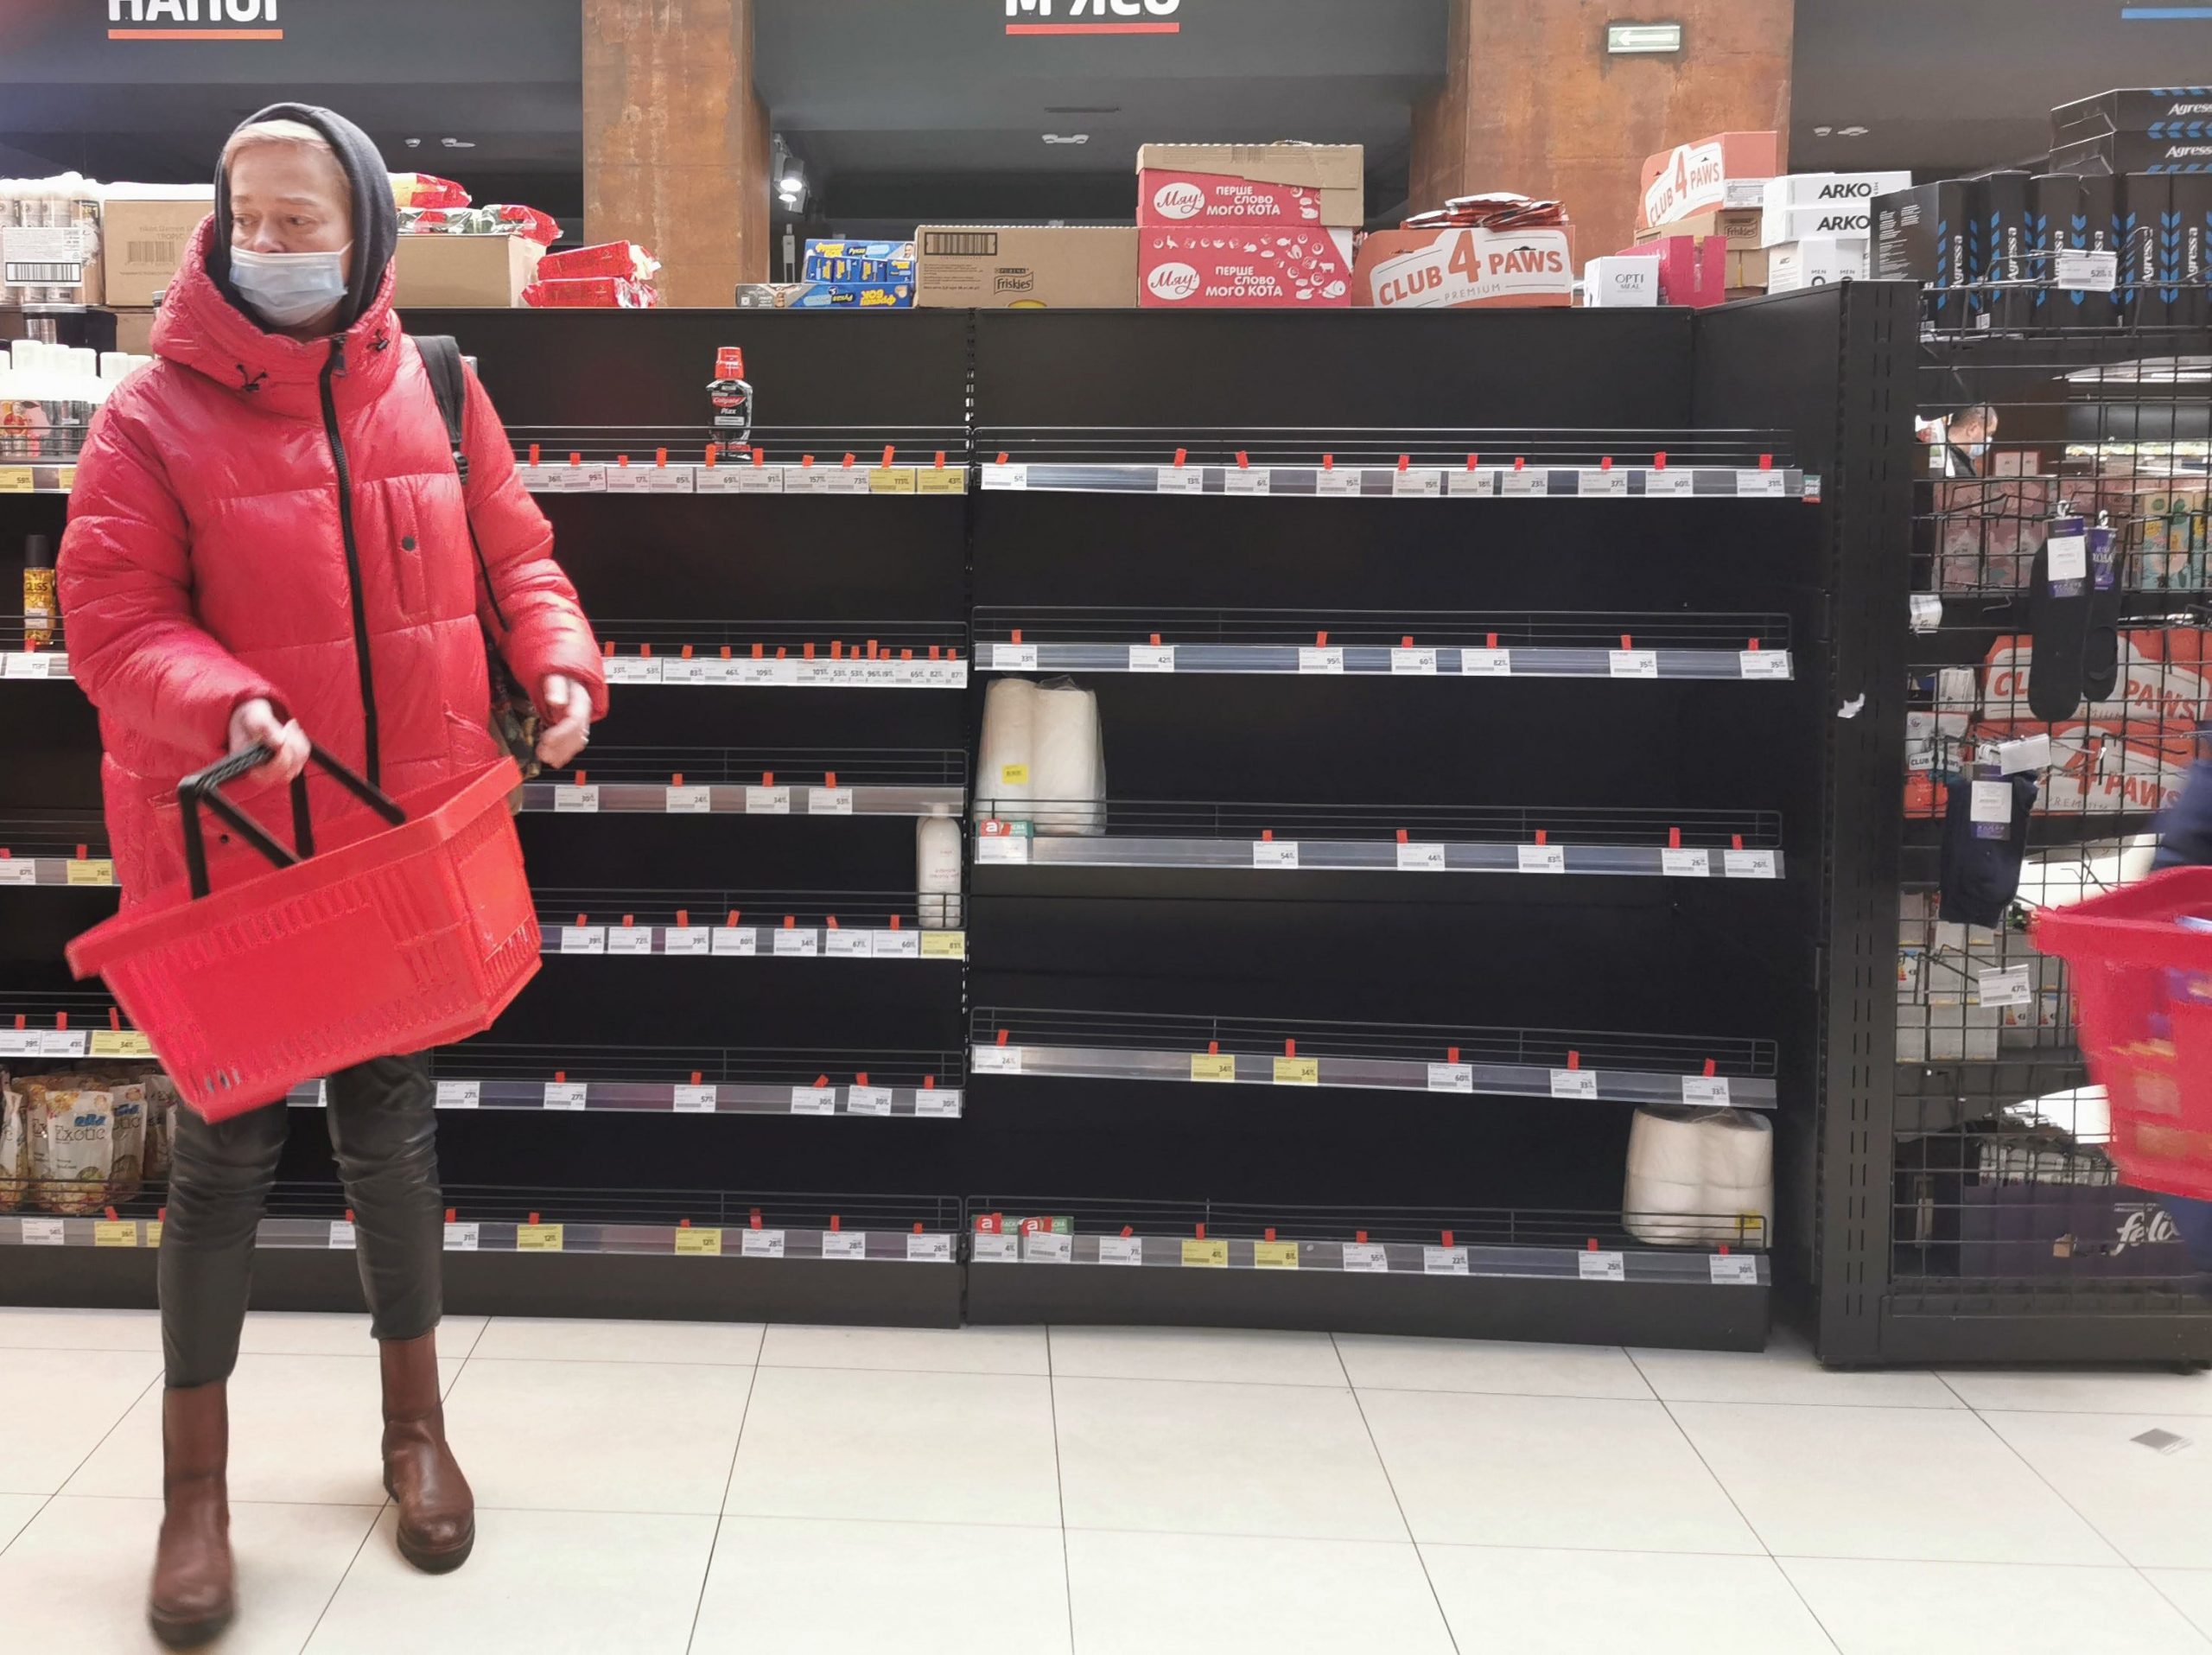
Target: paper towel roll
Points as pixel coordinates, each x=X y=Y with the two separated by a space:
x=1008 y=767
x=1697 y=1176
x=1070 y=765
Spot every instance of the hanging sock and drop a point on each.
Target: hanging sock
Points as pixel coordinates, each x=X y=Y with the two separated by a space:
x=2100 y=648
x=2058 y=618
x=1984 y=841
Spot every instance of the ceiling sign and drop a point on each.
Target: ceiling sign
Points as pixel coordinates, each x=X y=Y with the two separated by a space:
x=1094 y=17
x=193 y=19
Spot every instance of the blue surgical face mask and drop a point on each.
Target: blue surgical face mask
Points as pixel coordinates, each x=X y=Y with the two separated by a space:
x=289 y=290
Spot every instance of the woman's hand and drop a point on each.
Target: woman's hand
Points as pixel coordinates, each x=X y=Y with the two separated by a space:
x=566 y=710
x=255 y=724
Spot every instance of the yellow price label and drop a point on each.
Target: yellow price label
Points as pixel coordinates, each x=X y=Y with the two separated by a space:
x=891 y=480
x=537 y=1237
x=14 y=480
x=1298 y=1071
x=1276 y=1255
x=120 y=1042
x=945 y=945
x=91 y=873
x=1014 y=776
x=68 y=477
x=115 y=1232
x=951 y=480
x=703 y=1244
x=1207 y=1066
x=1212 y=1255
x=152 y=1232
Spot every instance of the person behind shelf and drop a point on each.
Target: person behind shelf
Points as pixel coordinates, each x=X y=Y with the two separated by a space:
x=269 y=541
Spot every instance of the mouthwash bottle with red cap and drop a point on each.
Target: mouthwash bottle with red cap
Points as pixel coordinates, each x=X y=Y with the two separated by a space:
x=732 y=397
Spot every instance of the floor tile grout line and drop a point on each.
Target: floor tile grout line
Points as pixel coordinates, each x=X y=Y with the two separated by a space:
x=722 y=1506
x=1060 y=1485
x=2167 y=1597
x=61 y=1488
x=2036 y=1472
x=1729 y=1494
x=1451 y=1633
x=376 y=1520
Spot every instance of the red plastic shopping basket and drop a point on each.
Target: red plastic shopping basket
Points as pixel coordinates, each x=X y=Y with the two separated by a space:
x=418 y=933
x=2144 y=980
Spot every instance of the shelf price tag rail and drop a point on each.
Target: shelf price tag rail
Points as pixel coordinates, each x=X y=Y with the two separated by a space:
x=854 y=1100
x=823 y=460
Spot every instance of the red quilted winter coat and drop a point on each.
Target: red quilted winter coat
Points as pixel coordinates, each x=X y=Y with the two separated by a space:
x=257 y=516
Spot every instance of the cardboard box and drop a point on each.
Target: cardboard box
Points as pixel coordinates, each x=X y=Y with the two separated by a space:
x=1620 y=282
x=1691 y=272
x=1749 y=272
x=1307 y=269
x=990 y=267
x=1831 y=188
x=62 y=261
x=1920 y=235
x=1464 y=269
x=476 y=272
x=2143 y=109
x=1247 y=186
x=134 y=329
x=141 y=243
x=850 y=295
x=1693 y=178
x=1850 y=220
x=1817 y=263
x=2126 y=152
x=1738 y=226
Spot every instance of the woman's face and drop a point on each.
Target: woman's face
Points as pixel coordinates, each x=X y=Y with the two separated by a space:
x=290 y=197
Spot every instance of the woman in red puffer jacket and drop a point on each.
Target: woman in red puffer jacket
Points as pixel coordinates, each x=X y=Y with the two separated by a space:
x=268 y=541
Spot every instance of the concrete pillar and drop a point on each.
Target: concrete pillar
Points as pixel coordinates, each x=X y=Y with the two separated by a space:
x=1532 y=102
x=677 y=142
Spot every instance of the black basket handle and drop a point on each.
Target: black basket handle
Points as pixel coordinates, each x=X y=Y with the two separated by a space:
x=205 y=789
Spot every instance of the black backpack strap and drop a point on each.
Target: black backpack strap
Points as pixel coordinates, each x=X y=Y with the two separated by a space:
x=441 y=354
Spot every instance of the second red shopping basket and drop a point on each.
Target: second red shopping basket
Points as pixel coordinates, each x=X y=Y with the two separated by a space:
x=2143 y=974
x=419 y=933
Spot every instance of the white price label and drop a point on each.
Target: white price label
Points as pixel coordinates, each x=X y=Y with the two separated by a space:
x=929 y=1250
x=1420 y=858
x=1991 y=802
x=736 y=942
x=1733 y=1269
x=1121 y=1249
x=2009 y=986
x=844 y=1244
x=576 y=801
x=1417 y=482
x=1179 y=479
x=1151 y=657
x=1452 y=1077
x=1247 y=480
x=997 y=1249
x=463 y=1238
x=1443 y=1261
x=1313 y=660
x=566 y=1094
x=814 y=1100
x=1523 y=482
x=459 y=1094
x=43 y=1233
x=851 y=945
x=691 y=942
x=61 y=1043
x=1012 y=477
x=898 y=945
x=936 y=1104
x=1015 y=658
x=767 y=801
x=1762 y=484
x=794 y=944
x=681 y=671
x=1334 y=483
x=2077 y=269
x=1748 y=864
x=868 y=1100
x=1633 y=663
x=1706 y=1090
x=997 y=1060
x=1541 y=858
x=717 y=671
x=1661 y=481
x=1926 y=611
x=1602 y=1267
x=341 y=1233
x=1048 y=1247
x=1274 y=854
x=765 y=673
x=1001 y=849
x=1685 y=864
x=2029 y=752
x=2070 y=556
x=828 y=801
x=1416 y=663
x=1597 y=483
x=1486 y=663
x=689 y=801
x=695 y=1100
x=760 y=1244
x=583 y=940
x=1574 y=1083
x=18 y=870
x=1763 y=663
x=630 y=939
x=1367 y=1258
x=631 y=669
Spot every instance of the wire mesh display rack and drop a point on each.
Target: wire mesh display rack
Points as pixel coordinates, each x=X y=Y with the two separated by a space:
x=2003 y=1208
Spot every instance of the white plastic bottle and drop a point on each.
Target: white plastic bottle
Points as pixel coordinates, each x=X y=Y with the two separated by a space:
x=937 y=874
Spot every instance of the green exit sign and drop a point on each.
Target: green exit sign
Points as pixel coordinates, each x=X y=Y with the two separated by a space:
x=1624 y=38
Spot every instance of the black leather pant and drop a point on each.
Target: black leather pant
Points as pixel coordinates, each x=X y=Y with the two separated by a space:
x=383 y=1129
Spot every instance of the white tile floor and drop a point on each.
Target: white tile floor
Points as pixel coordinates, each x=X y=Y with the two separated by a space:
x=649 y=1488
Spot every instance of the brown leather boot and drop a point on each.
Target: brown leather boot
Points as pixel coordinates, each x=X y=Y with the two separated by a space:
x=192 y=1598
x=437 y=1514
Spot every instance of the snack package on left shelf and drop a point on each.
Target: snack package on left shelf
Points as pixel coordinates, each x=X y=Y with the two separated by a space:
x=498 y=219
x=70 y=1120
x=426 y=190
x=618 y=259
x=15 y=1147
x=592 y=293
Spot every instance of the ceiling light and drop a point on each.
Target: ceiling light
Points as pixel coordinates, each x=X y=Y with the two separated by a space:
x=1822 y=131
x=1071 y=138
x=793 y=183
x=458 y=144
x=1851 y=132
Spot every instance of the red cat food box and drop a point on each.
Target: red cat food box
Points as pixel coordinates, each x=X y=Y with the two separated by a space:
x=1459 y=269
x=1728 y=169
x=1247 y=226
